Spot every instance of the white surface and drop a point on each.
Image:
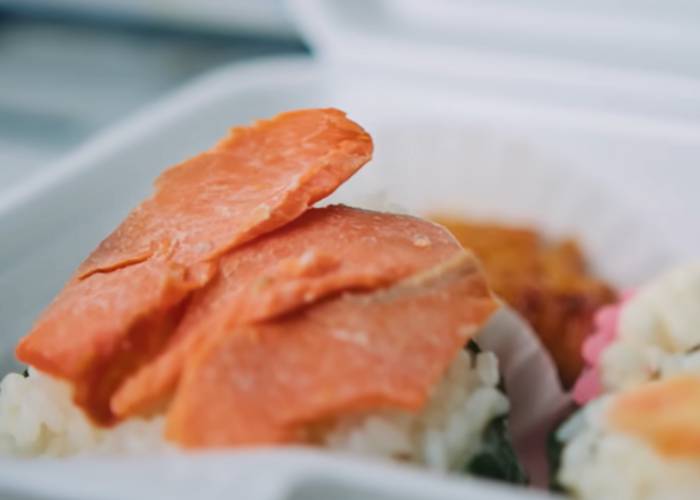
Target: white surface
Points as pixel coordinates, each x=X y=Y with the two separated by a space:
x=291 y=474
x=436 y=148
x=635 y=35
x=481 y=49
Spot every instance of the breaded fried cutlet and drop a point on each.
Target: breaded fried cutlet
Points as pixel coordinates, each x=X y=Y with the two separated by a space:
x=548 y=283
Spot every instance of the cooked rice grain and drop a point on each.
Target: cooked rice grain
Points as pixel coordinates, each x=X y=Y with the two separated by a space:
x=601 y=463
x=38 y=418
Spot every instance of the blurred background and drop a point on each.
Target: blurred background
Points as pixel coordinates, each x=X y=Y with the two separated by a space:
x=69 y=68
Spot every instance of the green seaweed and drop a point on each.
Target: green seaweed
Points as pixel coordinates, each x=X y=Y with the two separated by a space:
x=497 y=459
x=555 y=448
x=473 y=347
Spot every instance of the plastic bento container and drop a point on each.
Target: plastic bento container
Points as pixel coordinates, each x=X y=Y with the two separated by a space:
x=604 y=163
x=476 y=156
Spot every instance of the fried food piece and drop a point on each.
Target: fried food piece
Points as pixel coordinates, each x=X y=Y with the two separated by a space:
x=548 y=283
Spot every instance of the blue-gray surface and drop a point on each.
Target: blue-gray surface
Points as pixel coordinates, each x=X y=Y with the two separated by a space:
x=64 y=78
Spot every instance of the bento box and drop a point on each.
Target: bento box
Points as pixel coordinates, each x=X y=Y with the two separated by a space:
x=567 y=172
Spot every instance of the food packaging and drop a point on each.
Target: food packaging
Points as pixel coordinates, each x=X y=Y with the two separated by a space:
x=482 y=146
x=427 y=159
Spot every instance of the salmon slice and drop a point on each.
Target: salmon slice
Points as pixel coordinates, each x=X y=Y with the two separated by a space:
x=100 y=329
x=664 y=414
x=265 y=382
x=257 y=179
x=131 y=291
x=324 y=251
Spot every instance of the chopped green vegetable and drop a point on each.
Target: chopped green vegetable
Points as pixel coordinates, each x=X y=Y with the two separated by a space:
x=555 y=448
x=473 y=347
x=25 y=373
x=497 y=459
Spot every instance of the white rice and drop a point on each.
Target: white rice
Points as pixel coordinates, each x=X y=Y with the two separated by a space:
x=658 y=337
x=445 y=434
x=38 y=418
x=658 y=334
x=599 y=463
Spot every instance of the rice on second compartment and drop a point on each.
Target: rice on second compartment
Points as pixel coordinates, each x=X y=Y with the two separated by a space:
x=639 y=439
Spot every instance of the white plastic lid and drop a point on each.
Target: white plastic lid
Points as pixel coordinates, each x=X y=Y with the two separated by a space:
x=637 y=56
